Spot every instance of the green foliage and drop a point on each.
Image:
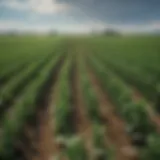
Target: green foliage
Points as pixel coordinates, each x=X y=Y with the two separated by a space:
x=157 y=103
x=89 y=95
x=152 y=151
x=17 y=51
x=135 y=114
x=98 y=136
x=102 y=151
x=63 y=110
x=135 y=59
x=131 y=60
x=76 y=149
x=21 y=111
x=137 y=118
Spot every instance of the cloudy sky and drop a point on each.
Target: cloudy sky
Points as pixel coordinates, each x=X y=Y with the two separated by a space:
x=79 y=15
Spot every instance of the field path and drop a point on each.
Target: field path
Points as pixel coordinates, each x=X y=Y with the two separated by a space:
x=45 y=135
x=46 y=146
x=116 y=127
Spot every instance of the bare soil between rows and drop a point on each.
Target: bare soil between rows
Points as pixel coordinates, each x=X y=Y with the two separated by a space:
x=82 y=122
x=116 y=127
x=36 y=142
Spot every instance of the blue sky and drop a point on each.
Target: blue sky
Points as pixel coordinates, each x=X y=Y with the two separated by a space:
x=79 y=15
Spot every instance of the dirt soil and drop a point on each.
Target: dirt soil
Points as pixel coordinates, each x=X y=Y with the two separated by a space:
x=43 y=132
x=116 y=126
x=82 y=123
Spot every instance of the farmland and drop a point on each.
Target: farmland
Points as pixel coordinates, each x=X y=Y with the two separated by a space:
x=79 y=98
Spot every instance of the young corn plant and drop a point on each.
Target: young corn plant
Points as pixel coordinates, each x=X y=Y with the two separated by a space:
x=71 y=146
x=151 y=151
x=157 y=103
x=17 y=117
x=89 y=95
x=132 y=75
x=139 y=125
x=76 y=149
x=101 y=150
x=138 y=122
x=63 y=109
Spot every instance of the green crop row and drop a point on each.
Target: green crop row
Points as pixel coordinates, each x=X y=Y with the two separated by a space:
x=101 y=150
x=17 y=53
x=11 y=70
x=135 y=114
x=14 y=49
x=140 y=52
x=150 y=90
x=136 y=59
x=18 y=83
x=71 y=148
x=7 y=91
x=71 y=145
x=134 y=76
x=63 y=109
x=89 y=97
x=15 y=120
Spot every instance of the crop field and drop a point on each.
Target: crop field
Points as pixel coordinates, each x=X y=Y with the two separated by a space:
x=79 y=98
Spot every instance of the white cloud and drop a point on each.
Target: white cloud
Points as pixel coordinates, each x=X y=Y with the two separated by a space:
x=48 y=6
x=38 y=6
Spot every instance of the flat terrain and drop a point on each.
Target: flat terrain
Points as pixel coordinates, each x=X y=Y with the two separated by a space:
x=79 y=98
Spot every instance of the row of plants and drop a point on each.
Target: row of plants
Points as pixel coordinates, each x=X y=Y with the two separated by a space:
x=63 y=109
x=101 y=148
x=7 y=90
x=145 y=83
x=147 y=86
x=150 y=90
x=9 y=71
x=140 y=56
x=21 y=112
x=138 y=124
x=19 y=82
x=20 y=53
x=16 y=50
x=70 y=144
